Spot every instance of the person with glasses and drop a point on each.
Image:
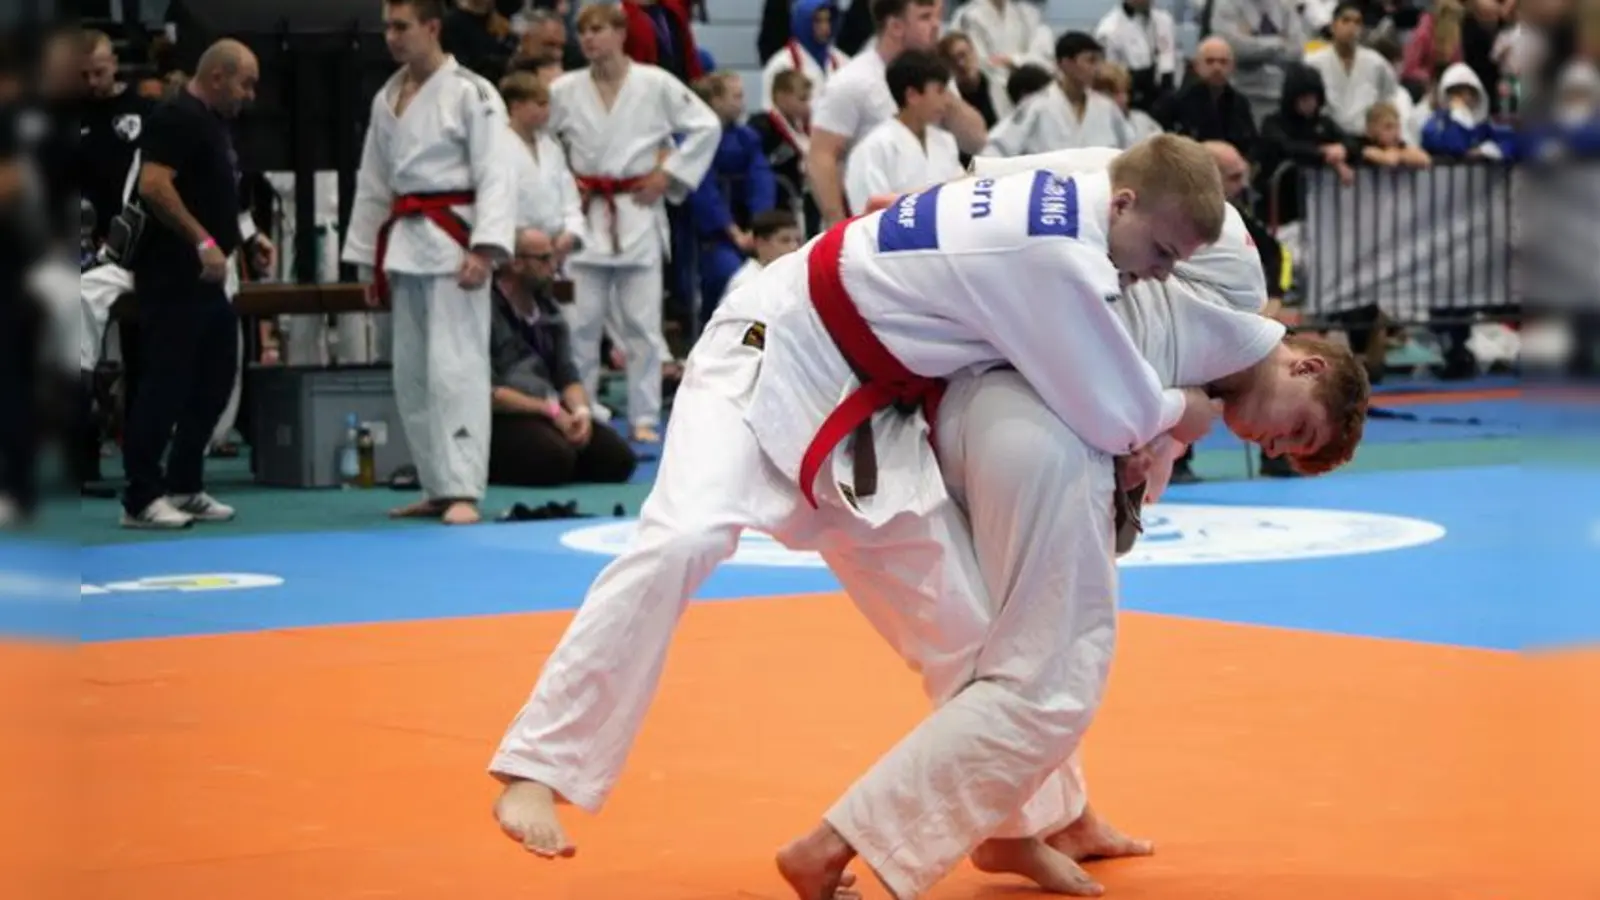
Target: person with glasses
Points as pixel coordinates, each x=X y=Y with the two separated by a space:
x=543 y=433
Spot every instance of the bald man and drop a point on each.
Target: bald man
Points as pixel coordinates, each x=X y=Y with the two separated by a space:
x=188 y=184
x=1207 y=107
x=1235 y=171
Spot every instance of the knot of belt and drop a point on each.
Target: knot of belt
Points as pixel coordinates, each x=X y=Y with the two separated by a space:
x=600 y=187
x=437 y=208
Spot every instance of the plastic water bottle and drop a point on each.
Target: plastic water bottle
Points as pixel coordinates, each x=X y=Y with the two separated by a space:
x=349 y=454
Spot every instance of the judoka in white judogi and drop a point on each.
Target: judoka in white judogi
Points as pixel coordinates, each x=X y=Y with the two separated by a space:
x=761 y=381
x=450 y=137
x=892 y=160
x=617 y=274
x=547 y=197
x=1140 y=42
x=1005 y=28
x=1049 y=121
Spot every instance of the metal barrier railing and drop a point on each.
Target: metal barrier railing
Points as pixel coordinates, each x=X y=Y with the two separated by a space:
x=1431 y=245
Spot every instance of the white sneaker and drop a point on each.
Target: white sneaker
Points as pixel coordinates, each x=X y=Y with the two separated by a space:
x=202 y=507
x=159 y=514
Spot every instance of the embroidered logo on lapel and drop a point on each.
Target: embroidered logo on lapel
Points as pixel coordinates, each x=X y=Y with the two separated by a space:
x=755 y=336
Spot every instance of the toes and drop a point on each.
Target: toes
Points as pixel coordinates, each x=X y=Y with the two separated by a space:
x=1075 y=882
x=548 y=844
x=848 y=879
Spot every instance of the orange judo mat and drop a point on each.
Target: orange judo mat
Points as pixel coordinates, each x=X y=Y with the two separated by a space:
x=348 y=762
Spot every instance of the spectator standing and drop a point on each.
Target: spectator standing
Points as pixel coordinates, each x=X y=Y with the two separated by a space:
x=906 y=153
x=1354 y=76
x=479 y=37
x=434 y=212
x=110 y=122
x=544 y=432
x=1208 y=107
x=1006 y=34
x=189 y=184
x=809 y=50
x=858 y=98
x=785 y=133
x=1267 y=36
x=617 y=119
x=1300 y=133
x=738 y=186
x=1067 y=114
x=659 y=34
x=547 y=196
x=982 y=93
x=1144 y=41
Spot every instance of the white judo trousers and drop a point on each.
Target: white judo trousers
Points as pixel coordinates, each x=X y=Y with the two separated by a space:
x=1016 y=676
x=626 y=300
x=1018 y=679
x=442 y=381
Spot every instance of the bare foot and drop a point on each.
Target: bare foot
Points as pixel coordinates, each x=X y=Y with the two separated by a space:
x=645 y=434
x=815 y=866
x=1091 y=837
x=526 y=812
x=461 y=512
x=1038 y=862
x=422 y=509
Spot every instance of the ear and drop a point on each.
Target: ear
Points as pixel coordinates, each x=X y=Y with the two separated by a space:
x=1308 y=366
x=1124 y=200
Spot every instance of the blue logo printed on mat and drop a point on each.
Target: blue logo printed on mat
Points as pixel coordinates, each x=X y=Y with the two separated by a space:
x=1053 y=207
x=912 y=223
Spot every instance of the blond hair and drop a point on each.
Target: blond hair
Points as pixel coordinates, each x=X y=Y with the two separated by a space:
x=1112 y=78
x=521 y=86
x=601 y=15
x=1381 y=110
x=1344 y=391
x=715 y=85
x=1178 y=172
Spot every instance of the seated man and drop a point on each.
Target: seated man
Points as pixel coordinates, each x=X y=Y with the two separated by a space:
x=544 y=432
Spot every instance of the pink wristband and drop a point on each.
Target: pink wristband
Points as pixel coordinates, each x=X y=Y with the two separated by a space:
x=555 y=409
x=207 y=244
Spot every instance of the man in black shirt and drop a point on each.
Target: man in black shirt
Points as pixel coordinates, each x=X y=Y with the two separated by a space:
x=110 y=123
x=189 y=184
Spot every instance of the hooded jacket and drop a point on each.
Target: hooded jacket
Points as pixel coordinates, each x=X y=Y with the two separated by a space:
x=1287 y=137
x=1454 y=133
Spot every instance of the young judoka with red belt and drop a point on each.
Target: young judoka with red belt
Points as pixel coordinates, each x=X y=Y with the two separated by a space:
x=805 y=414
x=614 y=117
x=435 y=211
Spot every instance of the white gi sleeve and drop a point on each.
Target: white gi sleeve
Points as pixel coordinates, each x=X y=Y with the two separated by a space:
x=1059 y=330
x=494 y=225
x=702 y=132
x=573 y=221
x=867 y=170
x=837 y=110
x=373 y=195
x=1011 y=135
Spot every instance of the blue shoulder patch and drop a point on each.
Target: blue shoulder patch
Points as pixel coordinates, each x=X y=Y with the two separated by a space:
x=912 y=223
x=1052 y=206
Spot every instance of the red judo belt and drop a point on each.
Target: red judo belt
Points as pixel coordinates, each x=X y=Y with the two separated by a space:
x=434 y=207
x=885 y=382
x=601 y=187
